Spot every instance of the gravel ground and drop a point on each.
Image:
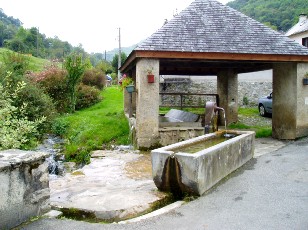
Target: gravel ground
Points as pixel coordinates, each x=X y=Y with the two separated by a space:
x=255 y=120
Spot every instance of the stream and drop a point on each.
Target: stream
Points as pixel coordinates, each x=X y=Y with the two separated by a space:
x=53 y=145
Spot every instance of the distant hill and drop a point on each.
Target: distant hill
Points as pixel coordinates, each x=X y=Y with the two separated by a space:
x=127 y=50
x=278 y=14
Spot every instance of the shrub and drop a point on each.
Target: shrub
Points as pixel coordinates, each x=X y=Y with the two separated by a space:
x=53 y=81
x=16 y=63
x=16 y=130
x=59 y=127
x=39 y=105
x=245 y=100
x=94 y=77
x=87 y=96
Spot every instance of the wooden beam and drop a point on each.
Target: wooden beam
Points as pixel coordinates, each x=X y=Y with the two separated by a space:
x=221 y=56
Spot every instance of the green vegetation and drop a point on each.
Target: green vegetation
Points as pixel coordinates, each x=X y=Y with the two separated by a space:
x=91 y=128
x=30 y=101
x=280 y=15
x=249 y=111
x=260 y=129
x=35 y=64
x=75 y=69
x=16 y=129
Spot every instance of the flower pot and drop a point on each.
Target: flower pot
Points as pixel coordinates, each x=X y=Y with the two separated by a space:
x=305 y=81
x=130 y=88
x=150 y=78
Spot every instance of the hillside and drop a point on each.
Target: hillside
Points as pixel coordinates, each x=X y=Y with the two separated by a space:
x=126 y=50
x=278 y=14
x=35 y=64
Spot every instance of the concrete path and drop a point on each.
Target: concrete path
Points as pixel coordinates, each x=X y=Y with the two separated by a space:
x=269 y=192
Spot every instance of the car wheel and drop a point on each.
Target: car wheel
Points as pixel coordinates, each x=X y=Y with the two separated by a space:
x=262 y=111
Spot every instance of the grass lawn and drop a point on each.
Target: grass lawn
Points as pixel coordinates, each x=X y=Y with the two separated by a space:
x=91 y=128
x=35 y=64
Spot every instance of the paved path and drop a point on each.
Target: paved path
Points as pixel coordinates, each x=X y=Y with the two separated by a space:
x=269 y=192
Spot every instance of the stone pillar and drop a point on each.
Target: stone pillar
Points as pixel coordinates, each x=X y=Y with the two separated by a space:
x=227 y=89
x=290 y=101
x=147 y=104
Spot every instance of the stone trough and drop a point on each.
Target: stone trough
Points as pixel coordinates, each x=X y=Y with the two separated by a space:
x=177 y=171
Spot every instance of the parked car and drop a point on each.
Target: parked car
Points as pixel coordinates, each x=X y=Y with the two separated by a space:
x=265 y=105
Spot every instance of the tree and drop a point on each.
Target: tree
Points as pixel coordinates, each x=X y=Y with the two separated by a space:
x=278 y=14
x=104 y=66
x=75 y=68
x=114 y=62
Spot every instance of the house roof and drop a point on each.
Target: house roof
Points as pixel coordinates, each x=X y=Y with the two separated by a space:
x=209 y=30
x=300 y=27
x=209 y=26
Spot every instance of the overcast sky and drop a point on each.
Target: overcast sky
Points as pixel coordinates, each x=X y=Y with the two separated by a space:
x=95 y=23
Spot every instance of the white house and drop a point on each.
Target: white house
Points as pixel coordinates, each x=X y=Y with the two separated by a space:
x=299 y=32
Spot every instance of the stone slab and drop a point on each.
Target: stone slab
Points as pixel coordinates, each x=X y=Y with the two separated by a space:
x=114 y=186
x=182 y=116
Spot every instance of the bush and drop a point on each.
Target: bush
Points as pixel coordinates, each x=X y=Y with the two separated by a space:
x=87 y=96
x=16 y=63
x=16 y=130
x=245 y=100
x=53 y=81
x=59 y=127
x=38 y=104
x=94 y=77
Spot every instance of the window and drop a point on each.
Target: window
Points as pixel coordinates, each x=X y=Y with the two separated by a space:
x=305 y=42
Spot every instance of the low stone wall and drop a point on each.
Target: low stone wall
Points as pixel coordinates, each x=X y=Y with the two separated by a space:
x=248 y=92
x=171 y=135
x=24 y=188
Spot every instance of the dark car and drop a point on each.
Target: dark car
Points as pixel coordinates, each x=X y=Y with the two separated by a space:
x=265 y=105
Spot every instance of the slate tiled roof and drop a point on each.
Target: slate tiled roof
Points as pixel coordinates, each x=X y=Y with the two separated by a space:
x=300 y=27
x=209 y=26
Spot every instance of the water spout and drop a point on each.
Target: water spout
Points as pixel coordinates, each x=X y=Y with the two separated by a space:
x=211 y=117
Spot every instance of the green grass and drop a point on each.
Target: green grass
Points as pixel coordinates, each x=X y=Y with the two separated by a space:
x=248 y=111
x=91 y=128
x=261 y=131
x=35 y=64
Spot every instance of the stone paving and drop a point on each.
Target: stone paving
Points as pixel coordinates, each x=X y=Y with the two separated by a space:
x=118 y=185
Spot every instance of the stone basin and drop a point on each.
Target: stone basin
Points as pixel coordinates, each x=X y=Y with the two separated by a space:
x=194 y=173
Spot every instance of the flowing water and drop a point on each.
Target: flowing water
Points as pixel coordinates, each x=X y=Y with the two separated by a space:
x=53 y=145
x=227 y=135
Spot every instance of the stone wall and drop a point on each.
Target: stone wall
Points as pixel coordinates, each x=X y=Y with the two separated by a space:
x=248 y=91
x=24 y=186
